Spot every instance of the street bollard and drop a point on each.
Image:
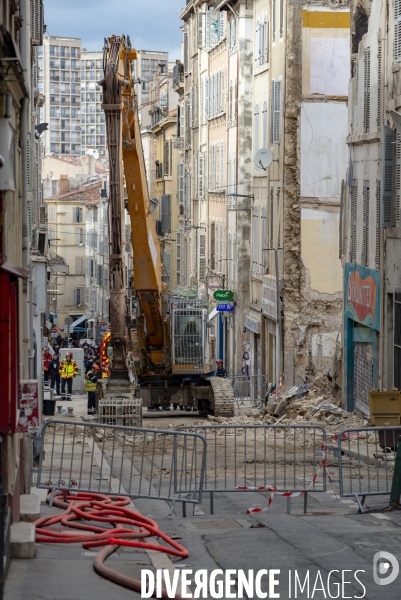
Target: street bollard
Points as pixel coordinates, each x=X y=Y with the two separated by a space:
x=396 y=483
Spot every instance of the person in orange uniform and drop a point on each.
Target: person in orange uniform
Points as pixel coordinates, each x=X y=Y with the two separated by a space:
x=68 y=371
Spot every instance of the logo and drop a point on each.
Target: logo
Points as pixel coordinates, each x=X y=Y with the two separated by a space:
x=361 y=295
x=386 y=564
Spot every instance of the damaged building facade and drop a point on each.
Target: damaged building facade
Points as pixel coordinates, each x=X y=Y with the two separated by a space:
x=371 y=239
x=265 y=75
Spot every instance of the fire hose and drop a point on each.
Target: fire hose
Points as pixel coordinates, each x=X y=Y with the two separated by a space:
x=111 y=511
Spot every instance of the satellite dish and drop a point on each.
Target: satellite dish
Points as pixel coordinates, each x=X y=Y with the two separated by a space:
x=90 y=152
x=96 y=155
x=263 y=158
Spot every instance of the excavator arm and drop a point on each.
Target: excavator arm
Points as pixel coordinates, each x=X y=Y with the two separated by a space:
x=127 y=162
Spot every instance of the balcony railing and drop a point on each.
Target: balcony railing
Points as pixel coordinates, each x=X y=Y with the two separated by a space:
x=178 y=73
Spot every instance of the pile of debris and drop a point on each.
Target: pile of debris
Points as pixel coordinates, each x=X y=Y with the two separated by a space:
x=317 y=402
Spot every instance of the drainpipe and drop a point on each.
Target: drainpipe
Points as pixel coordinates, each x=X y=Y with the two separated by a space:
x=26 y=358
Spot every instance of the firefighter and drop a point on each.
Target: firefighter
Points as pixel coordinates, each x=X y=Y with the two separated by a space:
x=92 y=375
x=220 y=371
x=68 y=371
x=46 y=360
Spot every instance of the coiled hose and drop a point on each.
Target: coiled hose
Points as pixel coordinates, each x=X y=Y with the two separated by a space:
x=122 y=527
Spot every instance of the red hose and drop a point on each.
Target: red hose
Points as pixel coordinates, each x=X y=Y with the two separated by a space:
x=99 y=508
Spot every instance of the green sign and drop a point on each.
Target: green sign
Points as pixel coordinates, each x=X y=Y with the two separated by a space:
x=226 y=295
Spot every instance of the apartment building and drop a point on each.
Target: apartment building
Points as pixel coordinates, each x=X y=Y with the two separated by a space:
x=78 y=232
x=92 y=116
x=260 y=75
x=370 y=246
x=60 y=82
x=146 y=65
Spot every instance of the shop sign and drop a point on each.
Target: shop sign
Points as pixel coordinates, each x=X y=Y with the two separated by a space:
x=225 y=307
x=251 y=324
x=269 y=301
x=225 y=295
x=362 y=295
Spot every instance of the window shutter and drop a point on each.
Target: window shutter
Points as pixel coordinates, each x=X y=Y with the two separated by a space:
x=235 y=100
x=379 y=83
x=200 y=174
x=263 y=240
x=377 y=253
x=281 y=18
x=182 y=122
x=258 y=48
x=186 y=52
x=255 y=238
x=178 y=121
x=178 y=258
x=202 y=256
x=366 y=91
x=221 y=25
x=276 y=110
x=397 y=179
x=223 y=162
x=171 y=158
x=271 y=232
x=387 y=177
x=266 y=41
x=207 y=97
x=200 y=31
x=397 y=30
x=365 y=230
x=230 y=100
x=274 y=20
x=272 y=113
x=212 y=245
x=218 y=165
x=221 y=245
x=235 y=258
x=354 y=213
x=256 y=126
x=264 y=125
x=75 y=296
x=166 y=157
x=190 y=106
x=229 y=260
x=180 y=183
x=208 y=28
x=222 y=95
x=218 y=83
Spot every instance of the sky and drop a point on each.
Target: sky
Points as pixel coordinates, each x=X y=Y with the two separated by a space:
x=151 y=24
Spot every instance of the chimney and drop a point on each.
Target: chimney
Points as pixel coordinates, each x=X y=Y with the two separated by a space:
x=63 y=184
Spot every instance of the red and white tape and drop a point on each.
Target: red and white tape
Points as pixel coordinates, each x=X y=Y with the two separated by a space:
x=273 y=489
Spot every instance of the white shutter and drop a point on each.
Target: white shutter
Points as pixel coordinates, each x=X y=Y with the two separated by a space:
x=75 y=296
x=36 y=22
x=397 y=179
x=257 y=48
x=276 y=111
x=235 y=100
x=271 y=210
x=263 y=241
x=200 y=174
x=266 y=40
x=256 y=128
x=281 y=18
x=397 y=30
x=354 y=212
x=218 y=166
x=178 y=258
x=221 y=25
x=379 y=83
x=202 y=255
x=200 y=31
x=274 y=20
x=223 y=163
x=207 y=28
x=366 y=91
x=230 y=100
x=218 y=93
x=255 y=238
x=222 y=95
x=264 y=125
x=207 y=98
x=365 y=230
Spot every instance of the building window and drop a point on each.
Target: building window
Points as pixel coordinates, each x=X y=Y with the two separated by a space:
x=77 y=214
x=397 y=31
x=365 y=230
x=275 y=133
x=366 y=91
x=78 y=296
x=79 y=266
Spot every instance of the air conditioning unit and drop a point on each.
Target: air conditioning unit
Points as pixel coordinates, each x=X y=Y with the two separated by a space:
x=43 y=218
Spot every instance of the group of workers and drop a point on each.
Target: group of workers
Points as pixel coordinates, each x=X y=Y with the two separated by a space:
x=61 y=374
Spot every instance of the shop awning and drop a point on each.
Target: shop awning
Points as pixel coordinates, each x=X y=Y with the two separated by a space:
x=78 y=321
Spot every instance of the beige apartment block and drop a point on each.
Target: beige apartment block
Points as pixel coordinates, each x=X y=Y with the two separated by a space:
x=78 y=232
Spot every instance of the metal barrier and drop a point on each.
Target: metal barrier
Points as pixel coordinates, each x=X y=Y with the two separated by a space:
x=249 y=389
x=129 y=461
x=366 y=461
x=284 y=456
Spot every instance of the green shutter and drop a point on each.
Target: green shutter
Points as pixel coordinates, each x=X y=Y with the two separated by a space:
x=387 y=177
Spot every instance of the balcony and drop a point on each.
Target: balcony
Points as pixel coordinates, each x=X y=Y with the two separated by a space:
x=178 y=76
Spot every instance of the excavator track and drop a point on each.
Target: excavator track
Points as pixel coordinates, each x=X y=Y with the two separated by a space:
x=221 y=397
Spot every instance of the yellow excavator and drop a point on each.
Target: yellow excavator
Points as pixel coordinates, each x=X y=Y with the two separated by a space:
x=169 y=360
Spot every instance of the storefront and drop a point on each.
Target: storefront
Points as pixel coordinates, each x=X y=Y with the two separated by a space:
x=361 y=335
x=270 y=330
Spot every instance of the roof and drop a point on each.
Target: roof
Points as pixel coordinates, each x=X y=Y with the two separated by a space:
x=87 y=195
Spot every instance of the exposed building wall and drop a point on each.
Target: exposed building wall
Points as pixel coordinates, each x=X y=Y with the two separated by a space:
x=315 y=125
